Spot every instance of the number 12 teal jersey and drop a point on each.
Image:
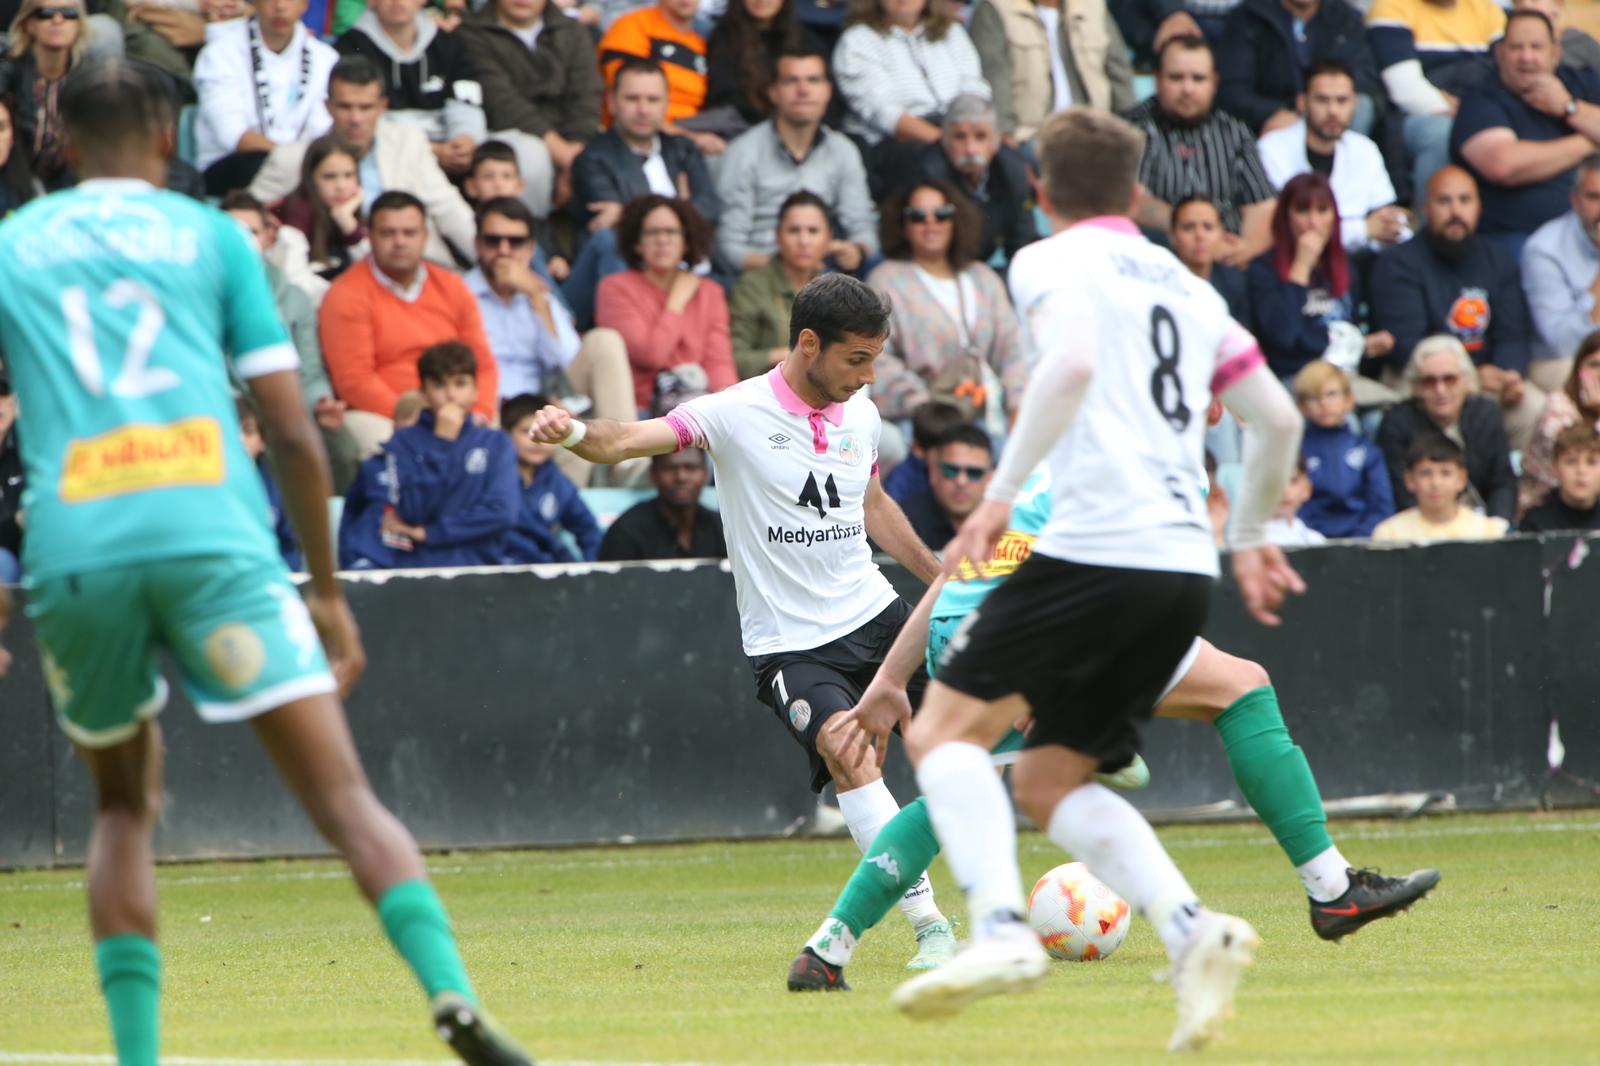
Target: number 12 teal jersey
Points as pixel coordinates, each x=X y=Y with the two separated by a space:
x=121 y=303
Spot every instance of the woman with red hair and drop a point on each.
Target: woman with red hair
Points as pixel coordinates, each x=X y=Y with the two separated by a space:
x=1304 y=293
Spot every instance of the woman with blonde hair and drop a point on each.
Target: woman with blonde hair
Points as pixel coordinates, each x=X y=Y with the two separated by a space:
x=46 y=39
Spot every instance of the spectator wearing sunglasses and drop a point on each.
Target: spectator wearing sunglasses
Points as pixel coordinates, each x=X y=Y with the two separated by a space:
x=531 y=332
x=47 y=39
x=954 y=335
x=959 y=468
x=1443 y=384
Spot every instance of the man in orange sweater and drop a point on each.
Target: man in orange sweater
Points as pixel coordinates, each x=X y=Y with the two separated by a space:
x=665 y=34
x=382 y=312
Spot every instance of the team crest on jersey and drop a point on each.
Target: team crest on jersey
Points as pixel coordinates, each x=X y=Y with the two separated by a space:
x=477 y=461
x=850 y=449
x=236 y=654
x=800 y=715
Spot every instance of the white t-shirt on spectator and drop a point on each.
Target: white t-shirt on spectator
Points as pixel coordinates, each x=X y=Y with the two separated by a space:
x=655 y=172
x=944 y=291
x=1051 y=17
x=792 y=485
x=296 y=83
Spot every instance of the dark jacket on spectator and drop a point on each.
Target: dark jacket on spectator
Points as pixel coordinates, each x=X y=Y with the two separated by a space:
x=607 y=169
x=12 y=484
x=282 y=531
x=1260 y=70
x=642 y=532
x=929 y=520
x=1488 y=454
x=1350 y=492
x=464 y=493
x=1554 y=516
x=1415 y=293
x=1235 y=289
x=441 y=79
x=1138 y=21
x=1291 y=321
x=556 y=86
x=907 y=479
x=551 y=503
x=1006 y=199
x=19 y=80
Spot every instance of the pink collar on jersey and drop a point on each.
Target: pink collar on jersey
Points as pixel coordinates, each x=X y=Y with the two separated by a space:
x=790 y=401
x=1115 y=223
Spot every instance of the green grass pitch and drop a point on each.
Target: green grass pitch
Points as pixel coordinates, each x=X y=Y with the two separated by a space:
x=678 y=954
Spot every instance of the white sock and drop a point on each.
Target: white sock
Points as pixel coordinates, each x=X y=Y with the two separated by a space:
x=973 y=817
x=866 y=811
x=1326 y=876
x=833 y=942
x=1108 y=835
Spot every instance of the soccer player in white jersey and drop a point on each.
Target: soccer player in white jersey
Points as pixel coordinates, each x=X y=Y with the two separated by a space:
x=1090 y=631
x=797 y=476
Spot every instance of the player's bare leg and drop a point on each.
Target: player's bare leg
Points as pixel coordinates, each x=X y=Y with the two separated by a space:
x=868 y=806
x=1236 y=695
x=949 y=742
x=122 y=889
x=309 y=741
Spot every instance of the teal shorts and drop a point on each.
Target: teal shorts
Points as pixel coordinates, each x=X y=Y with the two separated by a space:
x=236 y=625
x=940 y=630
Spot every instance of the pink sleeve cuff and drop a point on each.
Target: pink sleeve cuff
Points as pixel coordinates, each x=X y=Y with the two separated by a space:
x=1238 y=355
x=687 y=427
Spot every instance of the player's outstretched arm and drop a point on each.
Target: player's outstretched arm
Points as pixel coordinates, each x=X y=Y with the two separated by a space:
x=1271 y=447
x=885 y=703
x=603 y=441
x=891 y=529
x=296 y=447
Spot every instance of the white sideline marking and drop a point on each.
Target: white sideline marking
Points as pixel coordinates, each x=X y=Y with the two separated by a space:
x=534 y=867
x=60 y=1058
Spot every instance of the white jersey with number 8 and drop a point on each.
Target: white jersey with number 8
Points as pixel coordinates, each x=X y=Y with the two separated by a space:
x=1127 y=474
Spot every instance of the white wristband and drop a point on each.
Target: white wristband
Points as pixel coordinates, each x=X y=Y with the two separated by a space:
x=579 y=429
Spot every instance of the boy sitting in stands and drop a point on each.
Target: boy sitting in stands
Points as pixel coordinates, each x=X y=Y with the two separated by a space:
x=550 y=502
x=442 y=492
x=1436 y=474
x=1573 y=506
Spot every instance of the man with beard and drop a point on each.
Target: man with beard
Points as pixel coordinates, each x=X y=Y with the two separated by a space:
x=1192 y=149
x=1323 y=141
x=1561 y=277
x=993 y=175
x=1448 y=279
x=1523 y=131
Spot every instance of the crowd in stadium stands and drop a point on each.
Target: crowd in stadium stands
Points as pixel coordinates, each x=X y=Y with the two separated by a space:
x=468 y=208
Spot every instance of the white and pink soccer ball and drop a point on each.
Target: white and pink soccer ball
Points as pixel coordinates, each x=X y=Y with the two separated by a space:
x=1076 y=915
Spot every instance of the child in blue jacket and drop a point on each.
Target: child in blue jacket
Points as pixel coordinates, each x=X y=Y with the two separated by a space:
x=444 y=491
x=1350 y=490
x=550 y=503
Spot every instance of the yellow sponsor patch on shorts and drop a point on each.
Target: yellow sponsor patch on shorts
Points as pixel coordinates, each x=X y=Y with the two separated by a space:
x=139 y=457
x=236 y=654
x=1010 y=552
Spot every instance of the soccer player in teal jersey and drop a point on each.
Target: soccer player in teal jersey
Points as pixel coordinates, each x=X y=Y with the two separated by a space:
x=148 y=530
x=1234 y=694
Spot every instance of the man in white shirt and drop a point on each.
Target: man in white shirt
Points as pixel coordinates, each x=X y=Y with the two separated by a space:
x=1131 y=348
x=796 y=457
x=1322 y=140
x=262 y=82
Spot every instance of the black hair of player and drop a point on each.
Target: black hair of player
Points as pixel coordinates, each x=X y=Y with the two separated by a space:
x=506 y=207
x=522 y=406
x=395 y=200
x=967 y=433
x=440 y=362
x=106 y=103
x=834 y=306
x=357 y=70
x=1435 y=448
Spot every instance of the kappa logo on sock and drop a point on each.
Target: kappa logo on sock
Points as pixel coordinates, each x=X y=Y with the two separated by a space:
x=886 y=863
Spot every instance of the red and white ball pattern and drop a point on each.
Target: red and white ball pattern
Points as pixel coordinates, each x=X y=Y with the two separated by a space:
x=1076 y=915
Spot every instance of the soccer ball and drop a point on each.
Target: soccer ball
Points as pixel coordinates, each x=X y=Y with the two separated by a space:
x=1076 y=915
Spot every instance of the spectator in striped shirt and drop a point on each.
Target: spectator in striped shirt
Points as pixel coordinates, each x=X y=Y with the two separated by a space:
x=1192 y=149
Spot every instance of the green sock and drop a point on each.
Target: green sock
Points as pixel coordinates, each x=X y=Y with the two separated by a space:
x=130 y=977
x=1273 y=774
x=898 y=856
x=420 y=930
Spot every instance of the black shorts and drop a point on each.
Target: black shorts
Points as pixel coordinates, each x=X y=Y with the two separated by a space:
x=806 y=688
x=1092 y=649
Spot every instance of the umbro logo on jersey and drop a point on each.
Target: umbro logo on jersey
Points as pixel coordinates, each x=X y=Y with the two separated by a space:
x=778 y=441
